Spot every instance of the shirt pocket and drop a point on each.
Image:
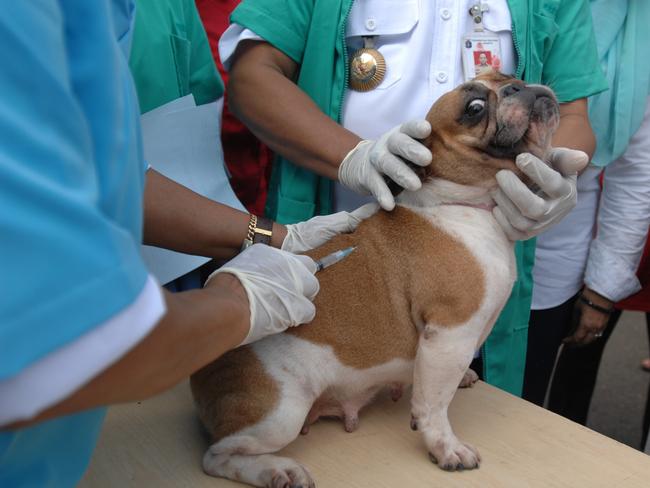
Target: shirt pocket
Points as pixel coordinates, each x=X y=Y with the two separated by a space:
x=181 y=51
x=392 y=23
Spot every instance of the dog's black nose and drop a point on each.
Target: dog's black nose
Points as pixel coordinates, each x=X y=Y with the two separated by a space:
x=510 y=90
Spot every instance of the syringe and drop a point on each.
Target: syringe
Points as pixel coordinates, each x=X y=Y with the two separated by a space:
x=333 y=258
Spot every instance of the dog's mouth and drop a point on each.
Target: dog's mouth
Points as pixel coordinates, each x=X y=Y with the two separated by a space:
x=524 y=128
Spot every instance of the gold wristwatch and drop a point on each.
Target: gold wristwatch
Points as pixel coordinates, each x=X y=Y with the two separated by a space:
x=260 y=231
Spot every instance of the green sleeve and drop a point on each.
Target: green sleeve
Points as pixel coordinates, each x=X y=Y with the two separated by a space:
x=571 y=67
x=282 y=23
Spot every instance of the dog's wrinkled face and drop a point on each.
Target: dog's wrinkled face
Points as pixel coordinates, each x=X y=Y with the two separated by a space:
x=480 y=127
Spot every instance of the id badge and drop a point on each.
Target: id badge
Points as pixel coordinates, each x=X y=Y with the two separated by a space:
x=481 y=51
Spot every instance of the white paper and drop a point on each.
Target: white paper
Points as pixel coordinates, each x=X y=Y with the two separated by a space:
x=183 y=142
x=174 y=106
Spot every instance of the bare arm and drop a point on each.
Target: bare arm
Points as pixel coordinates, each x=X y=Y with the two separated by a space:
x=199 y=326
x=177 y=218
x=263 y=95
x=575 y=130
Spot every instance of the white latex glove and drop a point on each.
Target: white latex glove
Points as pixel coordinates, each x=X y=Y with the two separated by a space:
x=280 y=287
x=318 y=230
x=522 y=213
x=363 y=168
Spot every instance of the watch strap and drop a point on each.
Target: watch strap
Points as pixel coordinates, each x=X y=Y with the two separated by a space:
x=263 y=231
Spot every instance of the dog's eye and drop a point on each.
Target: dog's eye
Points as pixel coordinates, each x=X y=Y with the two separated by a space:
x=475 y=107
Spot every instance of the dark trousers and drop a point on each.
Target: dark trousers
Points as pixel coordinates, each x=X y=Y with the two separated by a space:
x=546 y=329
x=575 y=376
x=572 y=385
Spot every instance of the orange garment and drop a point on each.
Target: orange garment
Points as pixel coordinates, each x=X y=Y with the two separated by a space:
x=248 y=160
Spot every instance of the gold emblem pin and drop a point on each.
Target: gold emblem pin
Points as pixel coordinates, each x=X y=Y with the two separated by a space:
x=367 y=67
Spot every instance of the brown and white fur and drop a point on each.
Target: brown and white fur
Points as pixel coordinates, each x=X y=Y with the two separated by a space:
x=411 y=304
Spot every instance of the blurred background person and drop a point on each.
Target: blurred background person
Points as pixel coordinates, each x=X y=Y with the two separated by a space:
x=248 y=159
x=588 y=262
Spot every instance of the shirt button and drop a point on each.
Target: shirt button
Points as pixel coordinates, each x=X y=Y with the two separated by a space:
x=441 y=77
x=371 y=24
x=445 y=13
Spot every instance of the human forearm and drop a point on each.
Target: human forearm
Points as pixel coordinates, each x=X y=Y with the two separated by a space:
x=199 y=225
x=262 y=94
x=623 y=217
x=198 y=327
x=575 y=130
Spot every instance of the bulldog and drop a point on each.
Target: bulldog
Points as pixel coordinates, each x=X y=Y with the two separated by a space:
x=410 y=305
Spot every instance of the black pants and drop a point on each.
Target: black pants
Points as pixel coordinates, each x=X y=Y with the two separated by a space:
x=575 y=376
x=546 y=329
x=573 y=382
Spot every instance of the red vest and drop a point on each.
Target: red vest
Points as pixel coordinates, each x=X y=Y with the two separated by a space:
x=248 y=160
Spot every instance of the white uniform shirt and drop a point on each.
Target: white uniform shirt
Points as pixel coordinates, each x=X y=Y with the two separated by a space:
x=605 y=254
x=561 y=252
x=421 y=42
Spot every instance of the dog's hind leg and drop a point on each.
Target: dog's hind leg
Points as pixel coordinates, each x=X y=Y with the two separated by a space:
x=442 y=358
x=469 y=378
x=264 y=470
x=245 y=455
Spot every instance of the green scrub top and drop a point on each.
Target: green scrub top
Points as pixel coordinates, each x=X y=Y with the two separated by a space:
x=171 y=56
x=555 y=45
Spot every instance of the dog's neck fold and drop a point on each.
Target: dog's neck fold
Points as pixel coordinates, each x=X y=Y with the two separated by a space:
x=436 y=192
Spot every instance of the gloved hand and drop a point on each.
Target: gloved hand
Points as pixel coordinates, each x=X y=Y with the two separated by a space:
x=280 y=287
x=363 y=167
x=522 y=213
x=316 y=231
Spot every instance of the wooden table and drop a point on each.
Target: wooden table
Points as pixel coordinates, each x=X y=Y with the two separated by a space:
x=159 y=443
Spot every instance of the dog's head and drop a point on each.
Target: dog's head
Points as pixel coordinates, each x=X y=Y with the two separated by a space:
x=480 y=127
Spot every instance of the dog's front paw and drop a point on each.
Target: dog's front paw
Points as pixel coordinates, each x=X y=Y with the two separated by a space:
x=454 y=455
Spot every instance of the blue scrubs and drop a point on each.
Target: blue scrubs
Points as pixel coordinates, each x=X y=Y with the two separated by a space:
x=72 y=180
